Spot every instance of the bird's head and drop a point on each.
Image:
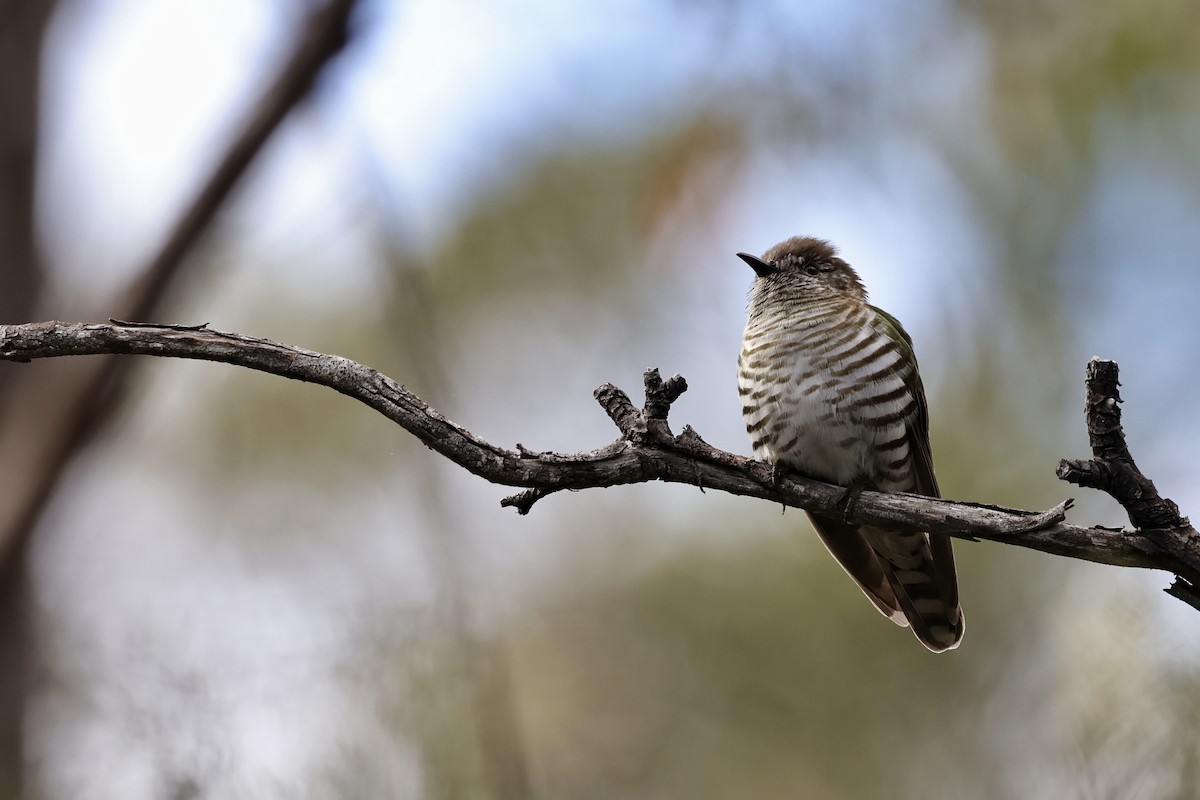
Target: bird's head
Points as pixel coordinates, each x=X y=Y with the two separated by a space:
x=809 y=265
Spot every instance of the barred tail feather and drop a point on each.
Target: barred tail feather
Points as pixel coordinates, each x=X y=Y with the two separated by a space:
x=850 y=549
x=938 y=625
x=901 y=576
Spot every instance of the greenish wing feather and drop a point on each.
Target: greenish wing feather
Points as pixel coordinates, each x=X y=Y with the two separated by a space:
x=918 y=426
x=922 y=458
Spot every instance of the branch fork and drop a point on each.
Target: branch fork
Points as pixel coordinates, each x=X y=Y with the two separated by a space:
x=648 y=425
x=1112 y=470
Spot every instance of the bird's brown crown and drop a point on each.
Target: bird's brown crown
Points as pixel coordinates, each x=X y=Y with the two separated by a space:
x=815 y=261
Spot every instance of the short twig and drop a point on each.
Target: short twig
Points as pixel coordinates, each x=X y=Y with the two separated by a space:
x=128 y=324
x=1184 y=590
x=523 y=501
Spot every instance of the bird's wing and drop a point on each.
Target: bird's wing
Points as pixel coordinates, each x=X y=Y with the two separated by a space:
x=940 y=547
x=850 y=548
x=921 y=456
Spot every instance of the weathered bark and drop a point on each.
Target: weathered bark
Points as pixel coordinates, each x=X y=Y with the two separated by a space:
x=647 y=450
x=1112 y=470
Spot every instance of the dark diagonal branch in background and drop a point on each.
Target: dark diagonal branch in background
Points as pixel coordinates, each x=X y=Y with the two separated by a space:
x=60 y=408
x=324 y=35
x=646 y=451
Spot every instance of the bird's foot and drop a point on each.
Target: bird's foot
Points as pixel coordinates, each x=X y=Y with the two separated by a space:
x=778 y=474
x=849 y=501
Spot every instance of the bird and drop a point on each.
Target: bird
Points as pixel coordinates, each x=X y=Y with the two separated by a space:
x=830 y=389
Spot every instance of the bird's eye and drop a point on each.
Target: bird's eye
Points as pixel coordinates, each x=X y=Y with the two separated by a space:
x=811 y=269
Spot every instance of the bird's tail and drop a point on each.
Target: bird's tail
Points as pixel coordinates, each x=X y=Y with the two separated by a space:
x=909 y=577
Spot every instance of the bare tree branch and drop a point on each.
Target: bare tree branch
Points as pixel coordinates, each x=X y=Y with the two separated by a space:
x=1112 y=470
x=647 y=451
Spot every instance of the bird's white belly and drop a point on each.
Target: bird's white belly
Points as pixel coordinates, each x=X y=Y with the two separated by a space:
x=821 y=442
x=824 y=435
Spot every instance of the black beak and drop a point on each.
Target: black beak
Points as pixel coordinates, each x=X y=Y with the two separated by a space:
x=762 y=268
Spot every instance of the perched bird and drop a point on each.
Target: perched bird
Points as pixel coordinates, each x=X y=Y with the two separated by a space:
x=830 y=389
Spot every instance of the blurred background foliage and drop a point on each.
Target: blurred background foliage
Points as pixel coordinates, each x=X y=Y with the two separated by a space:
x=249 y=587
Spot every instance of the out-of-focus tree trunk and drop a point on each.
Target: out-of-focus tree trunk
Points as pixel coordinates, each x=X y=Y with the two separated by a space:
x=22 y=26
x=46 y=415
x=22 y=23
